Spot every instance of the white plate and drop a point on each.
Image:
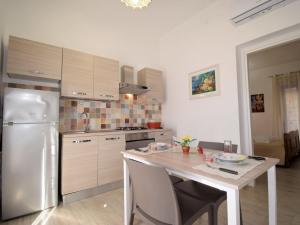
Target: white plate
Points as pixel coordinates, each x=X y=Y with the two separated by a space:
x=230 y=157
x=231 y=163
x=145 y=149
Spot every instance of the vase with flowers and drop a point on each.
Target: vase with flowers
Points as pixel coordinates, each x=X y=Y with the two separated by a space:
x=185 y=142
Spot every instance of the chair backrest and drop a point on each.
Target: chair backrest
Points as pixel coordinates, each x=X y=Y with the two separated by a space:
x=216 y=146
x=154 y=196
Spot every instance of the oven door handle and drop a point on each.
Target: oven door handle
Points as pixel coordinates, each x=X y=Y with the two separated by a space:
x=145 y=139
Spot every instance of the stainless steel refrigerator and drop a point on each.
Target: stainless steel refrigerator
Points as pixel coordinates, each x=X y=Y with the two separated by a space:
x=29 y=151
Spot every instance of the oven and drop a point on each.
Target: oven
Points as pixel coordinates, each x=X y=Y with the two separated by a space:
x=138 y=140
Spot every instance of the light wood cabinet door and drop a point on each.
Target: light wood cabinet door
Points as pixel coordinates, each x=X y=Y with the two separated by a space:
x=77 y=74
x=110 y=165
x=106 y=91
x=79 y=164
x=33 y=59
x=153 y=79
x=162 y=136
x=106 y=78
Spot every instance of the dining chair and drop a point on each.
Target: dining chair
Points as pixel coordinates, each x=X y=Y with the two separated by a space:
x=196 y=190
x=157 y=202
x=175 y=180
x=216 y=146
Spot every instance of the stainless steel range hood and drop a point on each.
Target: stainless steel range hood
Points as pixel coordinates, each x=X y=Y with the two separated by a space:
x=127 y=85
x=126 y=88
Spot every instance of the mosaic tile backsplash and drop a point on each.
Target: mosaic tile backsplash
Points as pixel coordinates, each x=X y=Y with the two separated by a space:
x=130 y=110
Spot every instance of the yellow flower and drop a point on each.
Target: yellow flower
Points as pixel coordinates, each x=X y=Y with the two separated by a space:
x=186 y=138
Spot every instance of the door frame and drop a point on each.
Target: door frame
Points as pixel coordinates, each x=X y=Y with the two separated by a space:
x=277 y=38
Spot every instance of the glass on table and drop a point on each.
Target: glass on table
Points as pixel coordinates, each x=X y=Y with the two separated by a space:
x=227 y=146
x=200 y=150
x=208 y=156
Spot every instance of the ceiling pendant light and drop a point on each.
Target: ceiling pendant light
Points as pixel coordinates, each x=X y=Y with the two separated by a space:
x=137 y=3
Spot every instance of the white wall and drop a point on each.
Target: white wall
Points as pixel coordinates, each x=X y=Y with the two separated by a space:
x=206 y=39
x=81 y=25
x=261 y=83
x=1 y=33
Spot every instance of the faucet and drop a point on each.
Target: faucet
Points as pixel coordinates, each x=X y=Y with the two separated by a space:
x=85 y=116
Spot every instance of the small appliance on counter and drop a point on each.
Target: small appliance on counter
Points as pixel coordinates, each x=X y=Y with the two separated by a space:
x=29 y=151
x=154 y=125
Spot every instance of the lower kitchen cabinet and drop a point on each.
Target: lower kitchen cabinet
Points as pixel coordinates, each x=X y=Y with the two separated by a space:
x=164 y=136
x=110 y=166
x=79 y=164
x=91 y=161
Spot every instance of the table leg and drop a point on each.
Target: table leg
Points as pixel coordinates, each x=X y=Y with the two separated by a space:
x=233 y=207
x=272 y=196
x=127 y=201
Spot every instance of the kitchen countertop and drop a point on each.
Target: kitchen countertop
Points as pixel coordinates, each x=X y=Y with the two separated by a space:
x=108 y=132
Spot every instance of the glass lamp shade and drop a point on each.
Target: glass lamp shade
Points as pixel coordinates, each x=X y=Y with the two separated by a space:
x=136 y=3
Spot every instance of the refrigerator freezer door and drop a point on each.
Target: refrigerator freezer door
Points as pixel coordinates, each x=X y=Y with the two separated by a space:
x=29 y=168
x=30 y=106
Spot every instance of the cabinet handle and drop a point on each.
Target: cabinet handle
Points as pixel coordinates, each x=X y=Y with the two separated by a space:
x=37 y=72
x=107 y=96
x=79 y=93
x=82 y=141
x=111 y=139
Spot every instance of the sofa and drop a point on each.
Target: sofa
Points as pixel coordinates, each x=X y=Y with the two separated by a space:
x=285 y=149
x=292 y=146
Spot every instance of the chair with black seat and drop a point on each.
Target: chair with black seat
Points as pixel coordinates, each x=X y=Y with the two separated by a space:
x=216 y=146
x=196 y=190
x=156 y=202
x=175 y=180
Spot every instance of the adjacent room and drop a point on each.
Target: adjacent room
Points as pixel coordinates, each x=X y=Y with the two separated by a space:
x=159 y=112
x=273 y=84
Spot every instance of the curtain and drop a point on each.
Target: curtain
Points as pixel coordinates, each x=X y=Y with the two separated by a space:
x=277 y=120
x=279 y=84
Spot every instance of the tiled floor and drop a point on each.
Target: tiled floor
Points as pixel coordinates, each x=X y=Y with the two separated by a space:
x=107 y=209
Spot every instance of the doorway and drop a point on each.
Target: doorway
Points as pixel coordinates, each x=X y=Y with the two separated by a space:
x=243 y=52
x=274 y=86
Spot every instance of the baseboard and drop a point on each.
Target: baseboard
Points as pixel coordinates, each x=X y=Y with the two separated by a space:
x=77 y=196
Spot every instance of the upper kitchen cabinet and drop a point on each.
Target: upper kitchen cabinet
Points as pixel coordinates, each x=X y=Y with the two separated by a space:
x=77 y=74
x=33 y=59
x=106 y=78
x=153 y=79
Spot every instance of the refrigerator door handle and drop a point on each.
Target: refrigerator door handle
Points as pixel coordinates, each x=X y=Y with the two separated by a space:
x=8 y=124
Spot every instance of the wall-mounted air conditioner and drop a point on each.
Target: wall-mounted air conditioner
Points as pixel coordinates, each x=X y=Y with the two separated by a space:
x=243 y=10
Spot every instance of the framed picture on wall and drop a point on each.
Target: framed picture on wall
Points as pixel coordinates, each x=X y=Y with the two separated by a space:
x=204 y=83
x=257 y=103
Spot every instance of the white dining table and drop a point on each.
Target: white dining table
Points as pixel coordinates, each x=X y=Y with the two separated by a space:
x=182 y=165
